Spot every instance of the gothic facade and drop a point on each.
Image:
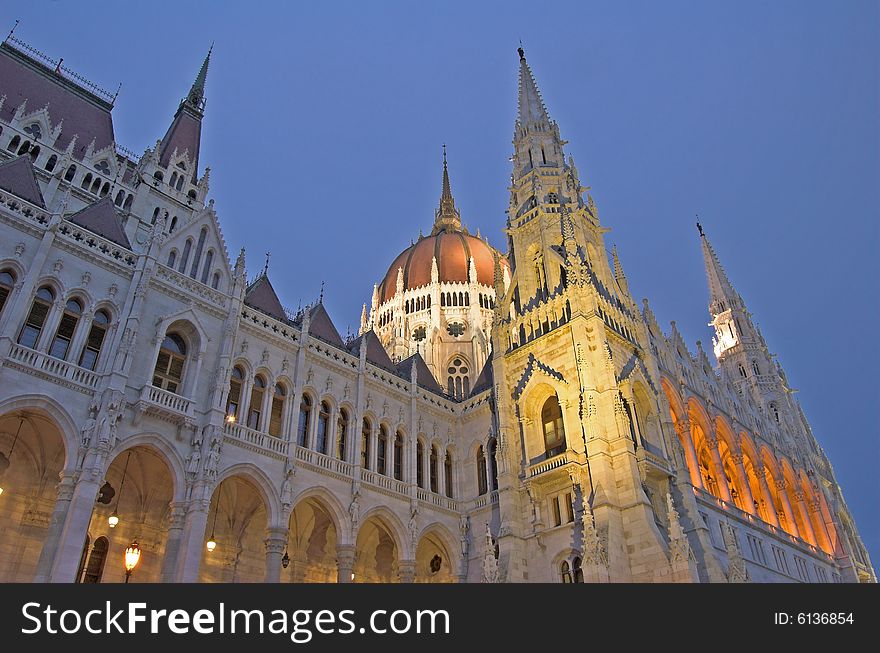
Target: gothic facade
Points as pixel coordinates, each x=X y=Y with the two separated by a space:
x=500 y=417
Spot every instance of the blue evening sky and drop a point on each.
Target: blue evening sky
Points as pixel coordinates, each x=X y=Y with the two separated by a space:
x=325 y=120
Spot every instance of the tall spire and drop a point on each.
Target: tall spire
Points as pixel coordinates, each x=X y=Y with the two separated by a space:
x=196 y=96
x=722 y=296
x=531 y=106
x=447 y=217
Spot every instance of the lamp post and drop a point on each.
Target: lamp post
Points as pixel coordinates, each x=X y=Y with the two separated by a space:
x=132 y=557
x=211 y=544
x=7 y=458
x=113 y=519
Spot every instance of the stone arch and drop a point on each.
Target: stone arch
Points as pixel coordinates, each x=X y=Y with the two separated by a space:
x=379 y=547
x=56 y=413
x=315 y=532
x=534 y=398
x=263 y=485
x=393 y=523
x=170 y=455
x=436 y=540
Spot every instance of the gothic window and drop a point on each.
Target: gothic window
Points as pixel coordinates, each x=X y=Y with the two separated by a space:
x=33 y=325
x=184 y=259
x=255 y=405
x=96 y=185
x=398 y=456
x=215 y=282
x=82 y=560
x=173 y=225
x=233 y=401
x=173 y=179
x=168 y=372
x=70 y=174
x=34 y=130
x=554 y=510
x=554 y=431
x=569 y=507
x=13 y=143
x=158 y=176
x=276 y=414
x=755 y=368
x=341 y=433
x=578 y=572
x=366 y=429
x=458 y=382
x=172 y=257
x=382 y=450
x=128 y=200
x=482 y=485
x=565 y=572
x=7 y=283
x=419 y=334
x=95 y=567
x=432 y=468
x=66 y=328
x=191 y=194
x=323 y=428
x=155 y=215
x=198 y=255
x=447 y=473
x=420 y=463
x=120 y=197
x=305 y=417
x=103 y=167
x=206 y=269
x=105 y=189
x=742 y=371
x=86 y=181
x=491 y=463
x=442 y=299
x=94 y=341
x=455 y=329
x=51 y=163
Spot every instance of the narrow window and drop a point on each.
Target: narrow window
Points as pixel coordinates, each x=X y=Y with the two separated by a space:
x=366 y=428
x=70 y=174
x=493 y=447
x=233 y=401
x=95 y=340
x=323 y=427
x=482 y=487
x=420 y=464
x=187 y=246
x=206 y=269
x=398 y=456
x=7 y=283
x=305 y=417
x=95 y=567
x=447 y=473
x=565 y=572
x=341 y=433
x=33 y=325
x=255 y=405
x=168 y=372
x=198 y=255
x=433 y=468
x=277 y=412
x=554 y=432
x=578 y=572
x=382 y=450
x=66 y=329
x=51 y=163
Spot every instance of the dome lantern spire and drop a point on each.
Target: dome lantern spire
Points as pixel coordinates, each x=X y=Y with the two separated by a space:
x=447 y=217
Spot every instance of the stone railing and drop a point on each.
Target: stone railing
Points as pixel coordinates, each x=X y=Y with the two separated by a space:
x=257 y=441
x=560 y=460
x=41 y=364
x=385 y=482
x=165 y=405
x=323 y=462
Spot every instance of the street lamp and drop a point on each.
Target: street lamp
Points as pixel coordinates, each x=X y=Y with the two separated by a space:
x=113 y=519
x=5 y=459
x=132 y=557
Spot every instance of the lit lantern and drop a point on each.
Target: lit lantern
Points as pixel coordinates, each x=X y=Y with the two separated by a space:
x=113 y=519
x=211 y=544
x=132 y=557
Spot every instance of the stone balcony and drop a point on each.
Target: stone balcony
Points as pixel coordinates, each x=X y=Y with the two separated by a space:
x=52 y=369
x=256 y=441
x=549 y=468
x=164 y=405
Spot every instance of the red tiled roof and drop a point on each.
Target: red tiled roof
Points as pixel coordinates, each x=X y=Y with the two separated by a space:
x=17 y=176
x=102 y=218
x=84 y=115
x=261 y=296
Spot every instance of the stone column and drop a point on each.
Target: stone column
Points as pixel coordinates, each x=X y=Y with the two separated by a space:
x=56 y=525
x=769 y=504
x=192 y=542
x=276 y=544
x=786 y=507
x=176 y=522
x=747 y=497
x=300 y=562
x=684 y=432
x=76 y=526
x=819 y=527
x=810 y=535
x=720 y=479
x=345 y=554
x=406 y=570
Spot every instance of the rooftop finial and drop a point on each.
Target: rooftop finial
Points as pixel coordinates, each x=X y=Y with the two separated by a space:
x=11 y=31
x=522 y=53
x=321 y=295
x=447 y=216
x=266 y=264
x=699 y=226
x=196 y=95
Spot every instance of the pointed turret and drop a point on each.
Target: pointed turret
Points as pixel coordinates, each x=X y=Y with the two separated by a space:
x=185 y=133
x=531 y=107
x=535 y=137
x=447 y=217
x=722 y=296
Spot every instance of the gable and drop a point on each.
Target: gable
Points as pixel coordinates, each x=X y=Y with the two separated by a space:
x=101 y=218
x=206 y=253
x=17 y=177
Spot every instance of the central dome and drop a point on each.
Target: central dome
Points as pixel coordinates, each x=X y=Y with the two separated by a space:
x=453 y=249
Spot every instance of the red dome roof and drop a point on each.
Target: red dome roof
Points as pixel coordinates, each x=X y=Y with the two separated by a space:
x=453 y=250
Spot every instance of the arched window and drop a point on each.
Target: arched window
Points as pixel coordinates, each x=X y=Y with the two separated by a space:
x=120 y=198
x=187 y=246
x=442 y=299
x=82 y=560
x=206 y=268
x=398 y=456
x=128 y=200
x=179 y=185
x=86 y=181
x=51 y=163
x=13 y=143
x=432 y=468
x=742 y=371
x=447 y=473
x=276 y=414
x=323 y=427
x=173 y=179
x=155 y=215
x=173 y=225
x=578 y=572
x=172 y=257
x=366 y=429
x=95 y=567
x=341 y=433
x=7 y=283
x=233 y=400
x=66 y=328
x=96 y=186
x=482 y=485
x=458 y=383
x=158 y=176
x=565 y=572
x=33 y=325
x=492 y=463
x=382 y=450
x=755 y=368
x=255 y=404
x=34 y=153
x=70 y=174
x=95 y=340
x=305 y=418
x=198 y=255
x=420 y=464
x=168 y=373
x=215 y=282
x=554 y=431
x=105 y=189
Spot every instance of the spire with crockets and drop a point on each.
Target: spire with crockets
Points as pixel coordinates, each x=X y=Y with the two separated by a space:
x=536 y=138
x=447 y=218
x=196 y=96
